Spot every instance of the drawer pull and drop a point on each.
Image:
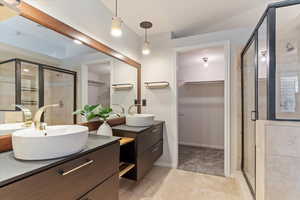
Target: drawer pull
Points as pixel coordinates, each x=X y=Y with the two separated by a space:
x=155 y=149
x=155 y=130
x=63 y=173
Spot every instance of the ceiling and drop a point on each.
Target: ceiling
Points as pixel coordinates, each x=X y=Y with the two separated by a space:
x=195 y=57
x=183 y=17
x=23 y=33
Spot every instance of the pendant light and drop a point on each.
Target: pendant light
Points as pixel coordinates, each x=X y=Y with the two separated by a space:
x=116 y=29
x=146 y=46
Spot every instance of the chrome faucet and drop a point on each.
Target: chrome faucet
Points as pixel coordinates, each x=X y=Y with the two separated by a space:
x=26 y=114
x=130 y=108
x=41 y=126
x=122 y=108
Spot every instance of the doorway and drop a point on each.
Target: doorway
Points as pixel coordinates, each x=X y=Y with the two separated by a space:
x=203 y=109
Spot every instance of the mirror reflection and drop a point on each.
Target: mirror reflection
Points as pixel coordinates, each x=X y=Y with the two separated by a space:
x=40 y=67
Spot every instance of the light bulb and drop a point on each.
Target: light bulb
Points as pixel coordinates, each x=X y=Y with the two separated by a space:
x=206 y=64
x=146 y=48
x=263 y=59
x=116 y=29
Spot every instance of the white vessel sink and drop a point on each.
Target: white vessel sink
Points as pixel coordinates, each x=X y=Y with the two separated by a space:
x=59 y=141
x=10 y=128
x=140 y=120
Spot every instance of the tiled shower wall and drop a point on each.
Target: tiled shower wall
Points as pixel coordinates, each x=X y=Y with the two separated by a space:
x=278 y=160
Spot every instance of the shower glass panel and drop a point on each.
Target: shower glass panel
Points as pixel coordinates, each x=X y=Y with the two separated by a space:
x=59 y=89
x=7 y=86
x=30 y=86
x=262 y=67
x=249 y=114
x=288 y=62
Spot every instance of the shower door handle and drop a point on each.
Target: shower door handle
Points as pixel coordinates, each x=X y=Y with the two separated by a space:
x=253 y=115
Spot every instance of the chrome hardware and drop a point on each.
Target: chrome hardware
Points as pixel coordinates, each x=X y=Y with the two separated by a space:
x=64 y=173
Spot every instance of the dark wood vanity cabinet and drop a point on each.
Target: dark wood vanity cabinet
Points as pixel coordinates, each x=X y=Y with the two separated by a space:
x=146 y=149
x=89 y=177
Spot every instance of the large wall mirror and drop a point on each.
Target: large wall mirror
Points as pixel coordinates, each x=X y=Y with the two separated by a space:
x=43 y=62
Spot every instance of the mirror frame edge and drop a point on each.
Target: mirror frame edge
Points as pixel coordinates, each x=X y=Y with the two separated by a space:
x=29 y=12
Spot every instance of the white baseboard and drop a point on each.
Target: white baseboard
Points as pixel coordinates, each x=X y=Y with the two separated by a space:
x=201 y=145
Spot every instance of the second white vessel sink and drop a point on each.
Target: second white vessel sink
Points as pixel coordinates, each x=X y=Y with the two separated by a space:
x=10 y=128
x=140 y=120
x=56 y=142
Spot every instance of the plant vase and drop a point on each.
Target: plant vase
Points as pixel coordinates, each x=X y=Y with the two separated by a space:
x=105 y=129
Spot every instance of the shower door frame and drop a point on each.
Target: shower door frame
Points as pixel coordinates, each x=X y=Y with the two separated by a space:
x=41 y=68
x=270 y=15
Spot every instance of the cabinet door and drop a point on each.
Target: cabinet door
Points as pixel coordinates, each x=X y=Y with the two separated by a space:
x=109 y=190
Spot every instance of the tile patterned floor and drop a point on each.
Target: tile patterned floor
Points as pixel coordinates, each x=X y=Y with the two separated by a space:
x=173 y=184
x=201 y=160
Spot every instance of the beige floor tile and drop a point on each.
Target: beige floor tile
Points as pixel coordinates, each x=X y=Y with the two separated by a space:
x=172 y=184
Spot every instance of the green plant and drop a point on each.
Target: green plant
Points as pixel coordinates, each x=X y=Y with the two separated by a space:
x=102 y=113
x=92 y=111
x=87 y=112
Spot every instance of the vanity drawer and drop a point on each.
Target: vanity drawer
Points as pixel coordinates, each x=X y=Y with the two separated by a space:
x=69 y=180
x=148 y=138
x=146 y=160
x=109 y=190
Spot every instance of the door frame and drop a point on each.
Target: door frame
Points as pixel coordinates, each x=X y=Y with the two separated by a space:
x=227 y=98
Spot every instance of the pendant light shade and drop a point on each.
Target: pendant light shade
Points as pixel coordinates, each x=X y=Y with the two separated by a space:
x=116 y=27
x=116 y=24
x=146 y=46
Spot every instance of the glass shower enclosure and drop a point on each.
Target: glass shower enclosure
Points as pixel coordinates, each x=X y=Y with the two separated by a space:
x=270 y=76
x=34 y=85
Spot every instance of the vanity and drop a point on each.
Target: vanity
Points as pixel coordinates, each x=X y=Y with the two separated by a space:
x=90 y=174
x=144 y=151
x=85 y=175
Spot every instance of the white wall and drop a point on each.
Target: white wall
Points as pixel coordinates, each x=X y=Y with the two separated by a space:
x=160 y=66
x=93 y=19
x=201 y=115
x=123 y=73
x=99 y=93
x=201 y=106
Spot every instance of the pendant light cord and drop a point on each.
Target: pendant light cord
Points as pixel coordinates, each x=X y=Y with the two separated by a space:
x=146 y=38
x=116 y=8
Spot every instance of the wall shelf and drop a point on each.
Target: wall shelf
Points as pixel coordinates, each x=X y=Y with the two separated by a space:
x=157 y=85
x=203 y=82
x=96 y=83
x=122 y=86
